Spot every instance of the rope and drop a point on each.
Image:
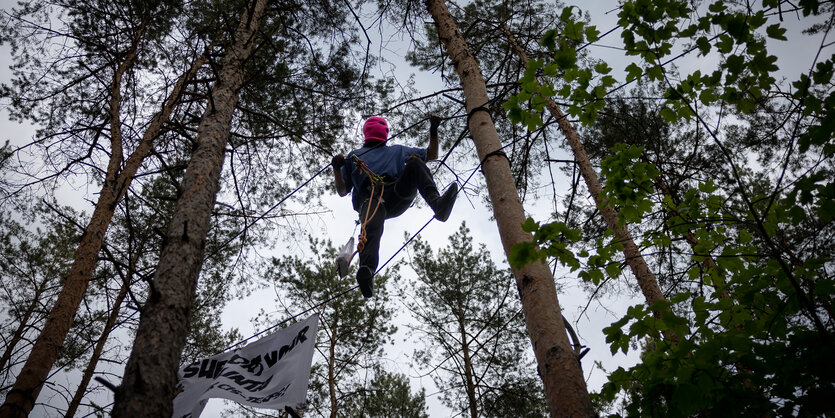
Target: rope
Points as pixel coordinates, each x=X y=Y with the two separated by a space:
x=375 y=180
x=363 y=237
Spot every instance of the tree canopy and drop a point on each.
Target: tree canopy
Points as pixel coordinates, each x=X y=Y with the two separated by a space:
x=201 y=130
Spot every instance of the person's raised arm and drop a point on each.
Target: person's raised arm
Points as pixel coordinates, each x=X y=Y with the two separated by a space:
x=432 y=149
x=338 y=181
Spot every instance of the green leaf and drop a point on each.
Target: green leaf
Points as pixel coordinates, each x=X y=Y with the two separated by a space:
x=565 y=58
x=592 y=34
x=530 y=225
x=522 y=254
x=613 y=270
x=826 y=210
x=725 y=44
x=602 y=68
x=735 y=64
x=668 y=114
x=565 y=15
x=776 y=32
x=595 y=275
x=655 y=73
x=704 y=45
x=549 y=40
x=707 y=96
x=633 y=71
x=551 y=70
x=717 y=7
x=573 y=31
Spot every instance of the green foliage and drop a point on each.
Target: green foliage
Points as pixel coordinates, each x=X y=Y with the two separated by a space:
x=584 y=86
x=550 y=240
x=352 y=330
x=628 y=182
x=33 y=261
x=388 y=395
x=748 y=248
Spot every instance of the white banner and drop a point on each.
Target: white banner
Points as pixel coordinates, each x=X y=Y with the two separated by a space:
x=271 y=373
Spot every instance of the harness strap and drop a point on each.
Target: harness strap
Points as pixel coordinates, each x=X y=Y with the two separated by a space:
x=498 y=153
x=479 y=109
x=363 y=237
x=369 y=215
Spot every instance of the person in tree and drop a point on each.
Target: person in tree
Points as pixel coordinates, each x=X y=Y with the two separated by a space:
x=384 y=180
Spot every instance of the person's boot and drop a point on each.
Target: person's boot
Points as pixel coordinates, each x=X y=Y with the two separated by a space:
x=443 y=204
x=364 y=275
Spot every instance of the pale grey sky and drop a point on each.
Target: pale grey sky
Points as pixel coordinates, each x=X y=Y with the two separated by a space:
x=339 y=224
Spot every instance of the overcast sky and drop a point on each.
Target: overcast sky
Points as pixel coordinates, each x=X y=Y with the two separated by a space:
x=339 y=224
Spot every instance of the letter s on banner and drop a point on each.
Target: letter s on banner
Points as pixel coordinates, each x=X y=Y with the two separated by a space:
x=273 y=384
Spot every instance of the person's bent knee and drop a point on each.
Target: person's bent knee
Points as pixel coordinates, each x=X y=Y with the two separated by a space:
x=415 y=159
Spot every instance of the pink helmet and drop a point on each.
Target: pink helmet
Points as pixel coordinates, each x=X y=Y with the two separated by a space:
x=375 y=129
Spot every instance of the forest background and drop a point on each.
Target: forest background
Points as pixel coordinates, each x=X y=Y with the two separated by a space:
x=333 y=219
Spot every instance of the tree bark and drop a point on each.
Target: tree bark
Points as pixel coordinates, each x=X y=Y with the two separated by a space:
x=150 y=376
x=21 y=399
x=559 y=368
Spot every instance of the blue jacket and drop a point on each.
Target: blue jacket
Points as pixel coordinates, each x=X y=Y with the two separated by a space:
x=384 y=160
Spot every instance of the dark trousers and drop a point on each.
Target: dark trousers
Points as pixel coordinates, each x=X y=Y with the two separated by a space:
x=397 y=197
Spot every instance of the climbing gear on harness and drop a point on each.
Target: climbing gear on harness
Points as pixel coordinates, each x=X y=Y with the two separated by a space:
x=375 y=180
x=375 y=129
x=346 y=255
x=363 y=235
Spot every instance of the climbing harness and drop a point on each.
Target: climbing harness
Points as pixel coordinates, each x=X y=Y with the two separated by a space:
x=342 y=260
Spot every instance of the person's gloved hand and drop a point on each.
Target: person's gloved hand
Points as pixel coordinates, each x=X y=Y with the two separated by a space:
x=435 y=120
x=338 y=161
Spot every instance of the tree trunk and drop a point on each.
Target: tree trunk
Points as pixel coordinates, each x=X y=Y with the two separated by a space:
x=559 y=368
x=468 y=365
x=150 y=376
x=21 y=399
x=94 y=358
x=646 y=278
